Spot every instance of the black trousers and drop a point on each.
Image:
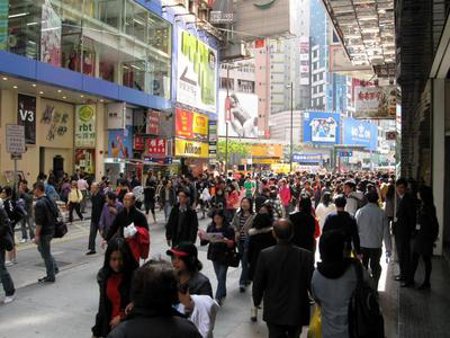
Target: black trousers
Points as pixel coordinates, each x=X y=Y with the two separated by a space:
x=283 y=331
x=92 y=236
x=371 y=258
x=403 y=245
x=77 y=207
x=428 y=267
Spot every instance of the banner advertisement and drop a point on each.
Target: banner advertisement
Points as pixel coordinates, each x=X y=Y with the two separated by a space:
x=155 y=147
x=50 y=35
x=184 y=148
x=242 y=112
x=191 y=125
x=116 y=115
x=304 y=61
x=197 y=73
x=321 y=127
x=85 y=136
x=120 y=143
x=153 y=121
x=361 y=133
x=26 y=116
x=4 y=9
x=375 y=102
x=85 y=158
x=138 y=143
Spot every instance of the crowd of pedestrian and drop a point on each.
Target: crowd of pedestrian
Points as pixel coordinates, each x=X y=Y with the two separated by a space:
x=270 y=226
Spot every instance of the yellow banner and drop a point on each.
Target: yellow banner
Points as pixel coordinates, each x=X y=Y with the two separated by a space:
x=267 y=150
x=184 y=148
x=200 y=124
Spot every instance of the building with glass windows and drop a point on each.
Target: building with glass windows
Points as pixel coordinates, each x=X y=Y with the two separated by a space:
x=91 y=81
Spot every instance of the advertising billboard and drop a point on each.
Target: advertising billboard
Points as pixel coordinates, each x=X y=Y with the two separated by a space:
x=375 y=102
x=50 y=35
x=191 y=125
x=361 y=133
x=266 y=18
x=197 y=73
x=184 y=148
x=4 y=9
x=321 y=127
x=85 y=135
x=242 y=112
x=304 y=60
x=120 y=143
x=26 y=116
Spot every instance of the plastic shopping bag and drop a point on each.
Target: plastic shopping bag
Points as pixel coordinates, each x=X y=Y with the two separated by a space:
x=315 y=324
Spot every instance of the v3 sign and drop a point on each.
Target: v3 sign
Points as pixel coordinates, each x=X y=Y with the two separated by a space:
x=362 y=133
x=26 y=116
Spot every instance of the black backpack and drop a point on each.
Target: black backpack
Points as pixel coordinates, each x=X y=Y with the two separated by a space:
x=364 y=314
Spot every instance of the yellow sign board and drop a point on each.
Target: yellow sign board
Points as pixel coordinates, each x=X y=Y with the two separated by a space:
x=184 y=148
x=267 y=150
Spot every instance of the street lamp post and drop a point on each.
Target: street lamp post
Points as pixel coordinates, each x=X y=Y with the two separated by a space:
x=291 y=143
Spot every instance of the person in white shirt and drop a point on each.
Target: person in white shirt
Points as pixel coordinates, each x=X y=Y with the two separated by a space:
x=325 y=207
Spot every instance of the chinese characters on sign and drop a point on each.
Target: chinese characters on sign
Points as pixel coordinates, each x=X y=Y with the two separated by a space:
x=15 y=139
x=375 y=102
x=85 y=136
x=155 y=147
x=56 y=120
x=153 y=121
x=191 y=125
x=116 y=115
x=139 y=143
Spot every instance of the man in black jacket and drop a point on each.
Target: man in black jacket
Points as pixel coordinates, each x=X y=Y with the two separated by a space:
x=5 y=242
x=282 y=277
x=97 y=200
x=183 y=222
x=343 y=221
x=129 y=214
x=404 y=225
x=45 y=212
x=304 y=225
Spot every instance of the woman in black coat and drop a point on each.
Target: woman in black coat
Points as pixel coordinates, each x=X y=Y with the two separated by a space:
x=426 y=235
x=114 y=280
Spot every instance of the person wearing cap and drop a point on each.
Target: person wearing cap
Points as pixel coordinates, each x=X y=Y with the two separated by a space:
x=341 y=220
x=188 y=267
x=182 y=225
x=373 y=228
x=355 y=199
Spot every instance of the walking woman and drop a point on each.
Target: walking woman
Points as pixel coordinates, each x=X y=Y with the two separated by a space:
x=325 y=207
x=167 y=198
x=74 y=201
x=232 y=201
x=427 y=234
x=114 y=280
x=149 y=195
x=220 y=237
x=242 y=223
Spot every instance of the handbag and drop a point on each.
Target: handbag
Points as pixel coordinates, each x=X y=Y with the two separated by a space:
x=315 y=324
x=6 y=241
x=232 y=258
x=60 y=229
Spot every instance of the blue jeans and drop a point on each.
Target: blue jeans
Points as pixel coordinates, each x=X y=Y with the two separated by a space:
x=5 y=277
x=243 y=281
x=221 y=274
x=45 y=251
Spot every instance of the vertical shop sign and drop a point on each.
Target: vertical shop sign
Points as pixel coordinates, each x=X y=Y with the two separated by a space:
x=4 y=6
x=138 y=143
x=26 y=116
x=153 y=121
x=156 y=147
x=212 y=137
x=85 y=136
x=116 y=116
x=50 y=35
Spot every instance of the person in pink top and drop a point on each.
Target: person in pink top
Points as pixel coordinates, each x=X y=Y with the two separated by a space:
x=285 y=197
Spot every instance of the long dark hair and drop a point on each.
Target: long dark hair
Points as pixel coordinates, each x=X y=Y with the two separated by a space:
x=426 y=196
x=250 y=201
x=326 y=199
x=129 y=263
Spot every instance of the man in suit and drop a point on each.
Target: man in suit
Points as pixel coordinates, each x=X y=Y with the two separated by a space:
x=182 y=225
x=282 y=277
x=404 y=225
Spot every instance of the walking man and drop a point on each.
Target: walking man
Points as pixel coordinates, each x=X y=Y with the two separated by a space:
x=97 y=200
x=282 y=277
x=373 y=228
x=45 y=212
x=5 y=243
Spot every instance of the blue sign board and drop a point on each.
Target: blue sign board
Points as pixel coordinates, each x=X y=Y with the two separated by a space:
x=361 y=133
x=321 y=128
x=307 y=158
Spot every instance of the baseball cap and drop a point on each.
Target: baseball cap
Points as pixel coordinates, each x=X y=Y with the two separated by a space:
x=183 y=250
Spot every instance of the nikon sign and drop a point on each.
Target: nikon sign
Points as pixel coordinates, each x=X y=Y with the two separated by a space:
x=194 y=149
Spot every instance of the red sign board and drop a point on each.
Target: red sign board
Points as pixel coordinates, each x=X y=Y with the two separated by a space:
x=138 y=143
x=155 y=147
x=153 y=121
x=184 y=123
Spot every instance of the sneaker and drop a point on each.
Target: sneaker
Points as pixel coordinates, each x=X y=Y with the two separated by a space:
x=9 y=299
x=46 y=280
x=91 y=252
x=8 y=264
x=24 y=240
x=254 y=314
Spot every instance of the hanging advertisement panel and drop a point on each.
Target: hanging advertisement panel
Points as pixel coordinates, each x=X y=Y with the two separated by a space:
x=321 y=127
x=85 y=136
x=242 y=112
x=191 y=125
x=362 y=133
x=197 y=73
x=26 y=116
x=184 y=148
x=153 y=122
x=4 y=8
x=375 y=102
x=120 y=143
x=50 y=35
x=115 y=116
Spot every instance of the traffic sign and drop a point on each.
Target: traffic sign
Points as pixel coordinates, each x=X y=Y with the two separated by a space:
x=15 y=139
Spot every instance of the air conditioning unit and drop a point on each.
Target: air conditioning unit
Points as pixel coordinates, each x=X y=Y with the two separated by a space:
x=235 y=51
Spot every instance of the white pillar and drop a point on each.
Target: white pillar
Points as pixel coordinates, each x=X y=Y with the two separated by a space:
x=438 y=117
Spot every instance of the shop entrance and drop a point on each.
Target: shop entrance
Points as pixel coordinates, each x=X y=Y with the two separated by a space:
x=58 y=166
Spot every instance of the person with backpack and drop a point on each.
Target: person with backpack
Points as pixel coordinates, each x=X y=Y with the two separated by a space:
x=45 y=213
x=6 y=243
x=355 y=199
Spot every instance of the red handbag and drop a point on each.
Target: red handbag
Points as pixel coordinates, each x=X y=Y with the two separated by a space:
x=140 y=243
